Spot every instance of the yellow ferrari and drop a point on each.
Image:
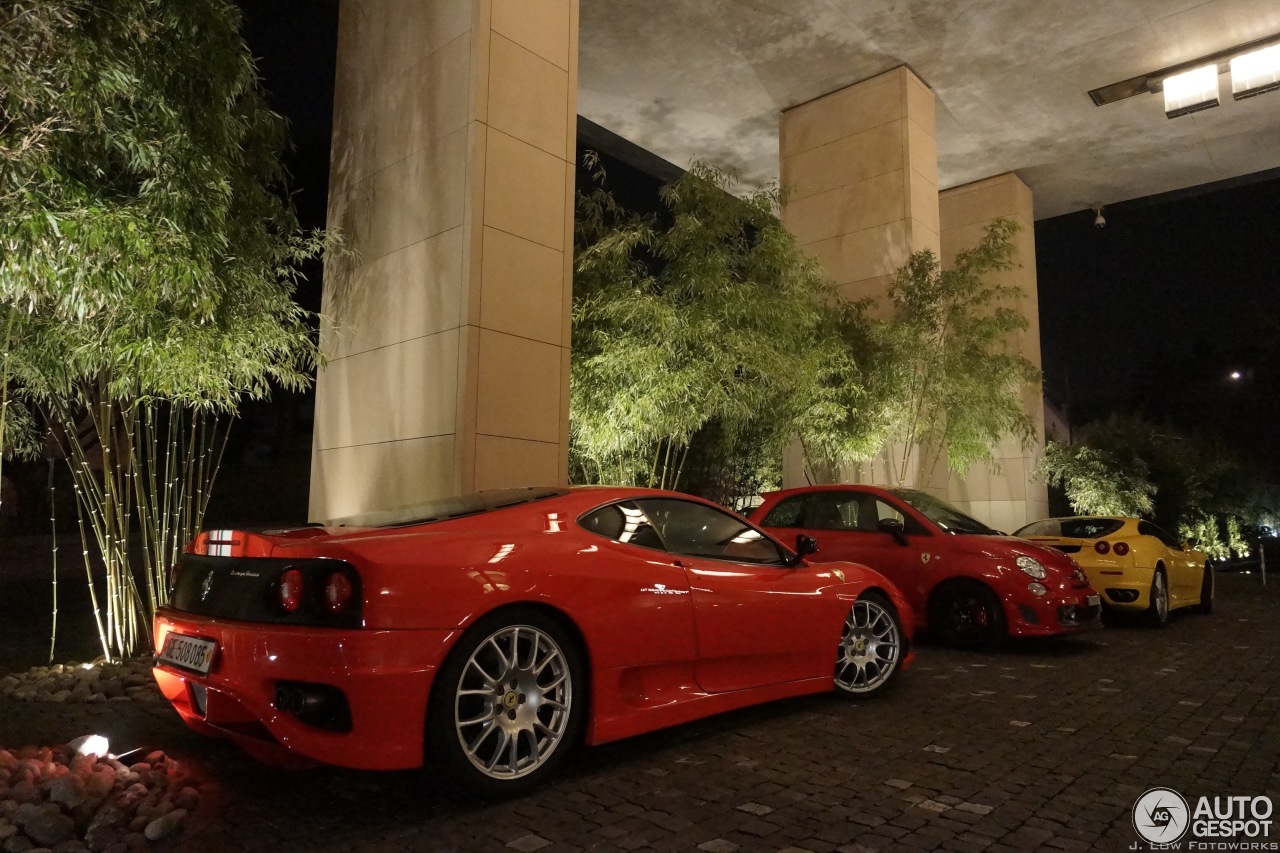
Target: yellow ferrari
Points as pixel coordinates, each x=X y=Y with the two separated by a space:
x=1134 y=564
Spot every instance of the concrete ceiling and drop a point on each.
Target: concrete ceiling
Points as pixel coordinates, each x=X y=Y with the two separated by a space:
x=708 y=79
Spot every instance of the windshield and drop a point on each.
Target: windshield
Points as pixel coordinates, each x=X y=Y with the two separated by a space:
x=944 y=514
x=1072 y=528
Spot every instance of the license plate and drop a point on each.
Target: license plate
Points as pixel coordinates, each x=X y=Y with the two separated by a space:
x=188 y=652
x=1094 y=600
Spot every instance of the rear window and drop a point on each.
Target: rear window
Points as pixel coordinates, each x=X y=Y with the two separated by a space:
x=1072 y=528
x=442 y=509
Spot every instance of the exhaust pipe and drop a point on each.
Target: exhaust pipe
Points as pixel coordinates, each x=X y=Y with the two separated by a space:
x=298 y=698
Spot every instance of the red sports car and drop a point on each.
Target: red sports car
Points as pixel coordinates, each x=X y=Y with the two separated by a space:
x=972 y=585
x=489 y=633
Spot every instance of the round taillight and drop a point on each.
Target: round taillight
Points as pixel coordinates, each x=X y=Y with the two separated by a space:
x=291 y=590
x=337 y=592
x=1102 y=547
x=1121 y=549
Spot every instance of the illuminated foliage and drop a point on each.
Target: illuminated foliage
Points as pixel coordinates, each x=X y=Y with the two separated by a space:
x=1188 y=484
x=707 y=325
x=149 y=254
x=948 y=338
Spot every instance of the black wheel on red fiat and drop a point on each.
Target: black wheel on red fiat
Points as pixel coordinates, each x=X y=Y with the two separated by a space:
x=508 y=705
x=968 y=615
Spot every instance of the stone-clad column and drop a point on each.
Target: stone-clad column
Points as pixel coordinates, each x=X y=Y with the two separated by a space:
x=447 y=332
x=860 y=184
x=1008 y=495
x=860 y=174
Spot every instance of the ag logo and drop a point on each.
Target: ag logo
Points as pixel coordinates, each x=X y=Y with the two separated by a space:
x=1161 y=816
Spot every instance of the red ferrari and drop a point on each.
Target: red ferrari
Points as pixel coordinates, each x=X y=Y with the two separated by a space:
x=971 y=585
x=490 y=633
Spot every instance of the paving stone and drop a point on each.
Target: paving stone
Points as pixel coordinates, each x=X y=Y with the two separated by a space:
x=754 y=808
x=718 y=845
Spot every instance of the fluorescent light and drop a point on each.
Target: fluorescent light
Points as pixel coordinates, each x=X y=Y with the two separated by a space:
x=1191 y=91
x=1255 y=73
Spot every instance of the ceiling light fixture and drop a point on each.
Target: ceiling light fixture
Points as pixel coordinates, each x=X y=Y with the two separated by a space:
x=1255 y=73
x=1191 y=91
x=1254 y=69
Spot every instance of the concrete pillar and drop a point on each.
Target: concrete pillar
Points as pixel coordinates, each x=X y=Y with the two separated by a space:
x=447 y=332
x=860 y=178
x=1007 y=495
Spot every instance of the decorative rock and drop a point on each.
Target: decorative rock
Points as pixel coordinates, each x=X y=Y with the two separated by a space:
x=24 y=792
x=108 y=817
x=68 y=790
x=73 y=845
x=101 y=839
x=188 y=798
x=100 y=782
x=164 y=825
x=7 y=831
x=18 y=844
x=50 y=827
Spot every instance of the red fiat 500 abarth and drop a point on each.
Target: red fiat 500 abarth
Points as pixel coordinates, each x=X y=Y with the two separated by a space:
x=972 y=585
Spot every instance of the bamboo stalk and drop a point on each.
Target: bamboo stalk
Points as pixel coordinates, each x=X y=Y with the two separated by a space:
x=53 y=526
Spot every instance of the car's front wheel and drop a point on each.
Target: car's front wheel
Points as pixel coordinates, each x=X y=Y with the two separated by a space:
x=508 y=704
x=871 y=647
x=967 y=615
x=1158 y=609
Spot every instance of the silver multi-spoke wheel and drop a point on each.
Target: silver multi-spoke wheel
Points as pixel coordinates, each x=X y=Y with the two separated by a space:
x=870 y=648
x=513 y=702
x=1159 y=608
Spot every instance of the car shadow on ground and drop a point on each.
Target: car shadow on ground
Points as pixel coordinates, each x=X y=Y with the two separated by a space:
x=1055 y=647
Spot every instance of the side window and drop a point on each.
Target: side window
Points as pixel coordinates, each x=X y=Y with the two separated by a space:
x=625 y=523
x=789 y=513
x=910 y=526
x=832 y=511
x=697 y=530
x=1146 y=528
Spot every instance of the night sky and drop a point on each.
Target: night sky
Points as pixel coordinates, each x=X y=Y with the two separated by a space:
x=1151 y=313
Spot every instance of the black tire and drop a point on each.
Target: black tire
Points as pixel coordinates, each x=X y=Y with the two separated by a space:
x=871 y=648
x=967 y=615
x=1158 y=609
x=1206 y=590
x=529 y=701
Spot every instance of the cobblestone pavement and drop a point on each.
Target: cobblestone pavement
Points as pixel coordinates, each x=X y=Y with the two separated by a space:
x=1041 y=746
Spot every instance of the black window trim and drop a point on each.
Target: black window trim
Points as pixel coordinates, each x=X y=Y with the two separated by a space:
x=788 y=555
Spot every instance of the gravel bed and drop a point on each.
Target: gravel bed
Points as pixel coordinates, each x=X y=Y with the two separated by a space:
x=55 y=799
x=84 y=682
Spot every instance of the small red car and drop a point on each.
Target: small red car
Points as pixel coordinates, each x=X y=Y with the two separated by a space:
x=490 y=633
x=970 y=584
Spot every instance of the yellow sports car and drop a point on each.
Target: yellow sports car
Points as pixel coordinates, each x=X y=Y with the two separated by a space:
x=1134 y=564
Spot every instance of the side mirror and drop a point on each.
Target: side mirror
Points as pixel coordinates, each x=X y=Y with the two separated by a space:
x=805 y=545
x=894 y=528
x=1191 y=543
